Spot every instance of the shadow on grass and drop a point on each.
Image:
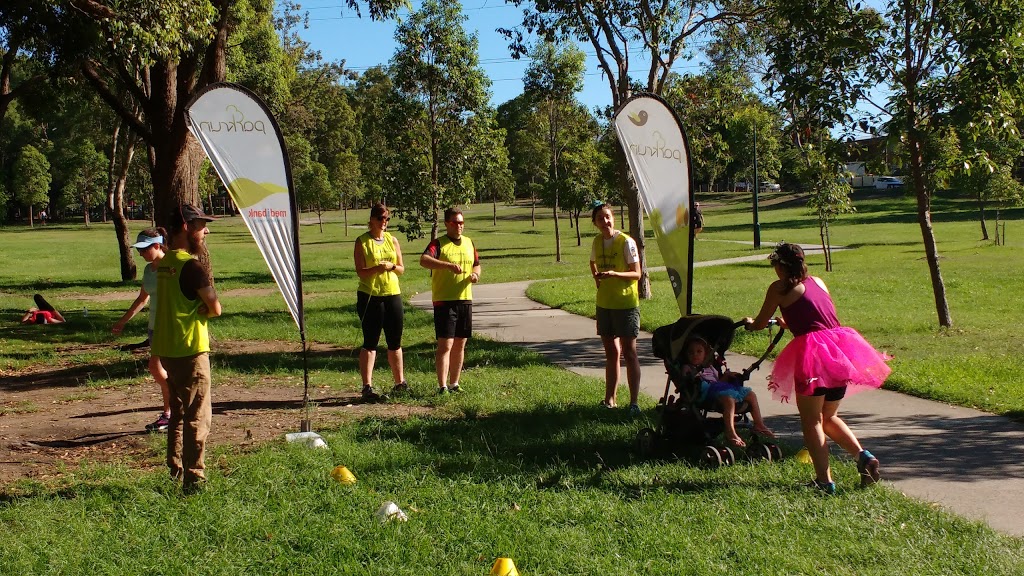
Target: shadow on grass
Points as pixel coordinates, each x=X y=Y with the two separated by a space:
x=565 y=446
x=528 y=441
x=85 y=440
x=74 y=376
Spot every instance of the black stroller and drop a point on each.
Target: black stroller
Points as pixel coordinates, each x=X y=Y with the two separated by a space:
x=686 y=427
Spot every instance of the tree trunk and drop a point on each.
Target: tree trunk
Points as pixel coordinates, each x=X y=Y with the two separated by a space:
x=553 y=143
x=824 y=243
x=85 y=209
x=117 y=177
x=494 y=211
x=533 y=207
x=828 y=248
x=924 y=218
x=981 y=214
x=579 y=239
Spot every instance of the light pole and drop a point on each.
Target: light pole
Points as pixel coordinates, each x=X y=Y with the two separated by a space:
x=757 y=187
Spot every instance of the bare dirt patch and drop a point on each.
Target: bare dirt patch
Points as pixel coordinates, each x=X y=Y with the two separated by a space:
x=51 y=423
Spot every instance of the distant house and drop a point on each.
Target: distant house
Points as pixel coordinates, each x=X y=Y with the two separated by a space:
x=860 y=154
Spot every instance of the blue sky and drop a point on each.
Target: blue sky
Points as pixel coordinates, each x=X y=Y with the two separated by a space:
x=363 y=43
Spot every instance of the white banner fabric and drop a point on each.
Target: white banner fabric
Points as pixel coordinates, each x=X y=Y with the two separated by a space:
x=659 y=159
x=247 y=151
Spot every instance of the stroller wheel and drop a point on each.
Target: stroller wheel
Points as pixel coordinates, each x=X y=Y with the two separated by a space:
x=728 y=457
x=776 y=452
x=759 y=451
x=711 y=458
x=646 y=442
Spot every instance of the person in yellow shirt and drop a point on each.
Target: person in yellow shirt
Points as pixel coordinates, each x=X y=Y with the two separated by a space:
x=615 y=266
x=181 y=339
x=378 y=260
x=455 y=267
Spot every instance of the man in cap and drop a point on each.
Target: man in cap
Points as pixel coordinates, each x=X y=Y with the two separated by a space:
x=182 y=341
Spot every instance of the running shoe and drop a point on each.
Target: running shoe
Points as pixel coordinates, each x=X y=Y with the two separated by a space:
x=827 y=488
x=454 y=388
x=868 y=467
x=369 y=394
x=161 y=424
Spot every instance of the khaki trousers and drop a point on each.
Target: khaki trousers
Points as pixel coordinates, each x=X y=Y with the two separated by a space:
x=191 y=414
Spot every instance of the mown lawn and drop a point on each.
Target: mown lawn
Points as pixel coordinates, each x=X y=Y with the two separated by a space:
x=523 y=464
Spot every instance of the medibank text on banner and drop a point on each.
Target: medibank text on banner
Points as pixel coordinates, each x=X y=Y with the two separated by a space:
x=658 y=155
x=246 y=149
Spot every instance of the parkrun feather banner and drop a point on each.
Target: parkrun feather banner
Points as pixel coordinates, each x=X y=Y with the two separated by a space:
x=658 y=155
x=245 y=146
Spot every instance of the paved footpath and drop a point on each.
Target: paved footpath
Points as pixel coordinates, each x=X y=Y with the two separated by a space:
x=970 y=462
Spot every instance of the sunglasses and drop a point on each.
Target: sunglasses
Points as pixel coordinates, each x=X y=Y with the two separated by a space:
x=463 y=222
x=383 y=218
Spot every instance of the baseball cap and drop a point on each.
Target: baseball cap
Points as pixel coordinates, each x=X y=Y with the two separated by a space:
x=143 y=241
x=190 y=213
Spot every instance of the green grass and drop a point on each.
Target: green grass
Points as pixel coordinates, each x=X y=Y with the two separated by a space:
x=523 y=464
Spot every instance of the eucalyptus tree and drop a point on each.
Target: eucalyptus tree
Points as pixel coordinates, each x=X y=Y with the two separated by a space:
x=374 y=101
x=17 y=130
x=552 y=80
x=705 y=103
x=491 y=175
x=30 y=181
x=436 y=70
x=84 y=177
x=820 y=52
x=951 y=63
x=623 y=33
x=158 y=54
x=22 y=56
x=997 y=184
x=527 y=151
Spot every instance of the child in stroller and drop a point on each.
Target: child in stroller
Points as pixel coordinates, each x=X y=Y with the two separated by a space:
x=722 y=392
x=693 y=349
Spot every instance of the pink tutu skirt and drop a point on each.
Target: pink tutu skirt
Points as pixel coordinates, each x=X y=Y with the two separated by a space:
x=827 y=359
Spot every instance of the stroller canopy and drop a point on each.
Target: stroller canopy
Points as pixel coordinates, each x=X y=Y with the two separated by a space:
x=717 y=331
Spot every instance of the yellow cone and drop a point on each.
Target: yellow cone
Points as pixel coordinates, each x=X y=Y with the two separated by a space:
x=343 y=475
x=803 y=456
x=504 y=567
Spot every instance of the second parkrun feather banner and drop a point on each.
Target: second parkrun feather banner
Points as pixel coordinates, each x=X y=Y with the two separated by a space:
x=245 y=146
x=652 y=138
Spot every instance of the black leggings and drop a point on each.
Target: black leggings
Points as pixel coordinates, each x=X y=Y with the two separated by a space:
x=377 y=312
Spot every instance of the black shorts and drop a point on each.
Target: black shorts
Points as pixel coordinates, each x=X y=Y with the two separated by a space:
x=377 y=313
x=453 y=319
x=831 y=394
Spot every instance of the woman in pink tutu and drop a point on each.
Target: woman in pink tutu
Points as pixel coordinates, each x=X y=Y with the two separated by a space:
x=824 y=363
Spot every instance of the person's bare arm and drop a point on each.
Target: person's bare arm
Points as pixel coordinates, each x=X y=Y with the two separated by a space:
x=431 y=263
x=632 y=274
x=772 y=299
x=140 y=302
x=398 y=266
x=211 y=305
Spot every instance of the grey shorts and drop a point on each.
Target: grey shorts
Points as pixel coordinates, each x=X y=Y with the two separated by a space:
x=618 y=323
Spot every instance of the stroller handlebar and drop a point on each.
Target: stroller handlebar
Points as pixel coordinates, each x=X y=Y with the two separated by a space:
x=742 y=323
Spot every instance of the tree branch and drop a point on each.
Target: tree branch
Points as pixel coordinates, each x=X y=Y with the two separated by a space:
x=101 y=87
